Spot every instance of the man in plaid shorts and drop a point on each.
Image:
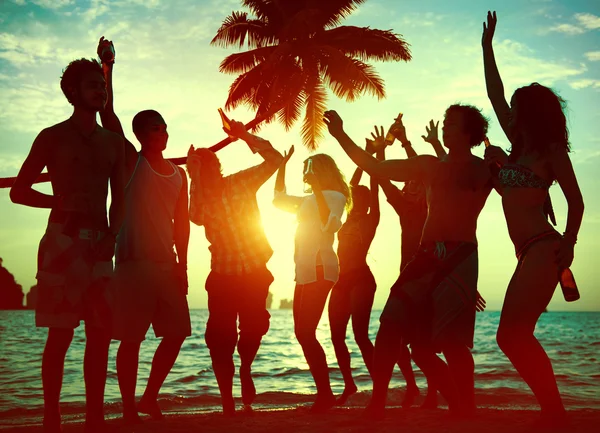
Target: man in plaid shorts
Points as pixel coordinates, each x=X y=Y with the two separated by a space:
x=239 y=281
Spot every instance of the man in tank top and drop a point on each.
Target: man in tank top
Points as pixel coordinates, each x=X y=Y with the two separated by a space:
x=150 y=284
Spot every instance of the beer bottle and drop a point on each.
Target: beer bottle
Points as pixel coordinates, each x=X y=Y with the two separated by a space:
x=226 y=122
x=568 y=285
x=389 y=137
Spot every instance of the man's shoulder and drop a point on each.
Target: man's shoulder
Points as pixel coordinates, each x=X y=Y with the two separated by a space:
x=111 y=136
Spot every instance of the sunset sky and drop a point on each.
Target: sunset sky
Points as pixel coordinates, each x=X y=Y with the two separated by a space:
x=165 y=62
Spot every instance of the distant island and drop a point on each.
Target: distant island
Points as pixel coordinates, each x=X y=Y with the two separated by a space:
x=11 y=293
x=286 y=304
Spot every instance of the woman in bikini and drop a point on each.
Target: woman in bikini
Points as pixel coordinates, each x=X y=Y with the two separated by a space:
x=352 y=295
x=536 y=127
x=319 y=217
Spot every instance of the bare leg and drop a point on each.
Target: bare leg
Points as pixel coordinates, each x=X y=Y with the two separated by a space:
x=412 y=391
x=53 y=363
x=127 y=370
x=339 y=315
x=362 y=304
x=254 y=324
x=462 y=368
x=309 y=303
x=221 y=334
x=528 y=294
x=433 y=367
x=95 y=362
x=431 y=400
x=385 y=354
x=162 y=363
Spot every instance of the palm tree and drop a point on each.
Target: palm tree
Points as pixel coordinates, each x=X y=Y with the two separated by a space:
x=296 y=49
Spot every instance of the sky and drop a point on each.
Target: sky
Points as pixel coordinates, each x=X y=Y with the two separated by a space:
x=165 y=62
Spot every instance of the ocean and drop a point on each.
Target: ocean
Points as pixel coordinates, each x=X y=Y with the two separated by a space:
x=282 y=378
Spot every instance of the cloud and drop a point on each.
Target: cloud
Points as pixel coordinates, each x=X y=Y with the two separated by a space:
x=593 y=56
x=584 y=23
x=584 y=83
x=48 y=4
x=589 y=21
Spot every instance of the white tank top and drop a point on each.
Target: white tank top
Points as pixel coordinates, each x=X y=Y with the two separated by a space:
x=150 y=200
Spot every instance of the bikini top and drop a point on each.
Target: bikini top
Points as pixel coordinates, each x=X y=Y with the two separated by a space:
x=518 y=176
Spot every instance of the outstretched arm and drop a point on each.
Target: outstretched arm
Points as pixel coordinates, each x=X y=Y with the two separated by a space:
x=108 y=117
x=493 y=82
x=399 y=170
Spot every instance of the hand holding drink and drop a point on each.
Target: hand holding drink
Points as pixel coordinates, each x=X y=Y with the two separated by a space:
x=396 y=131
x=106 y=51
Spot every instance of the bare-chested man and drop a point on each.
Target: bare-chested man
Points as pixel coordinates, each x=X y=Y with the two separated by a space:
x=432 y=305
x=75 y=255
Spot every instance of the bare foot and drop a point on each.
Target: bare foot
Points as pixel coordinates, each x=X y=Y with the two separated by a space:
x=228 y=407
x=248 y=389
x=410 y=396
x=150 y=407
x=323 y=403
x=348 y=391
x=52 y=424
x=132 y=418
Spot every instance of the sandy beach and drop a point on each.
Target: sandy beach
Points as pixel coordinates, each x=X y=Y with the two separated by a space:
x=345 y=420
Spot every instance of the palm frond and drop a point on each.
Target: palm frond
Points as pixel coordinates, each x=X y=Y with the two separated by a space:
x=366 y=44
x=243 y=62
x=243 y=89
x=349 y=78
x=237 y=27
x=313 y=125
x=335 y=11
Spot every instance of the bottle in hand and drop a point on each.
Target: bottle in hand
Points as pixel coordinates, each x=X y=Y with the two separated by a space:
x=389 y=137
x=568 y=285
x=226 y=122
x=107 y=55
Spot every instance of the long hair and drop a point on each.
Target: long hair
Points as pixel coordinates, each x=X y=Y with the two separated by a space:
x=540 y=114
x=330 y=177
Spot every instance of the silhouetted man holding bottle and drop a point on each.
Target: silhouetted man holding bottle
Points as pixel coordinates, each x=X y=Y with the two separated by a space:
x=75 y=254
x=150 y=284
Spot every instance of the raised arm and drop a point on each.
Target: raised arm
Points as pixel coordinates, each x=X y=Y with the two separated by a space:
x=181 y=233
x=399 y=131
x=565 y=176
x=281 y=199
x=399 y=170
x=493 y=82
x=108 y=117
x=256 y=176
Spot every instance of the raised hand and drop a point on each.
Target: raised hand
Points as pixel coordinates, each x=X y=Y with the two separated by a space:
x=287 y=155
x=102 y=44
x=236 y=129
x=432 y=132
x=398 y=130
x=489 y=29
x=378 y=140
x=334 y=123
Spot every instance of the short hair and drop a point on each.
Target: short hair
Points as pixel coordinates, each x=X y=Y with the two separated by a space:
x=141 y=119
x=474 y=122
x=73 y=75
